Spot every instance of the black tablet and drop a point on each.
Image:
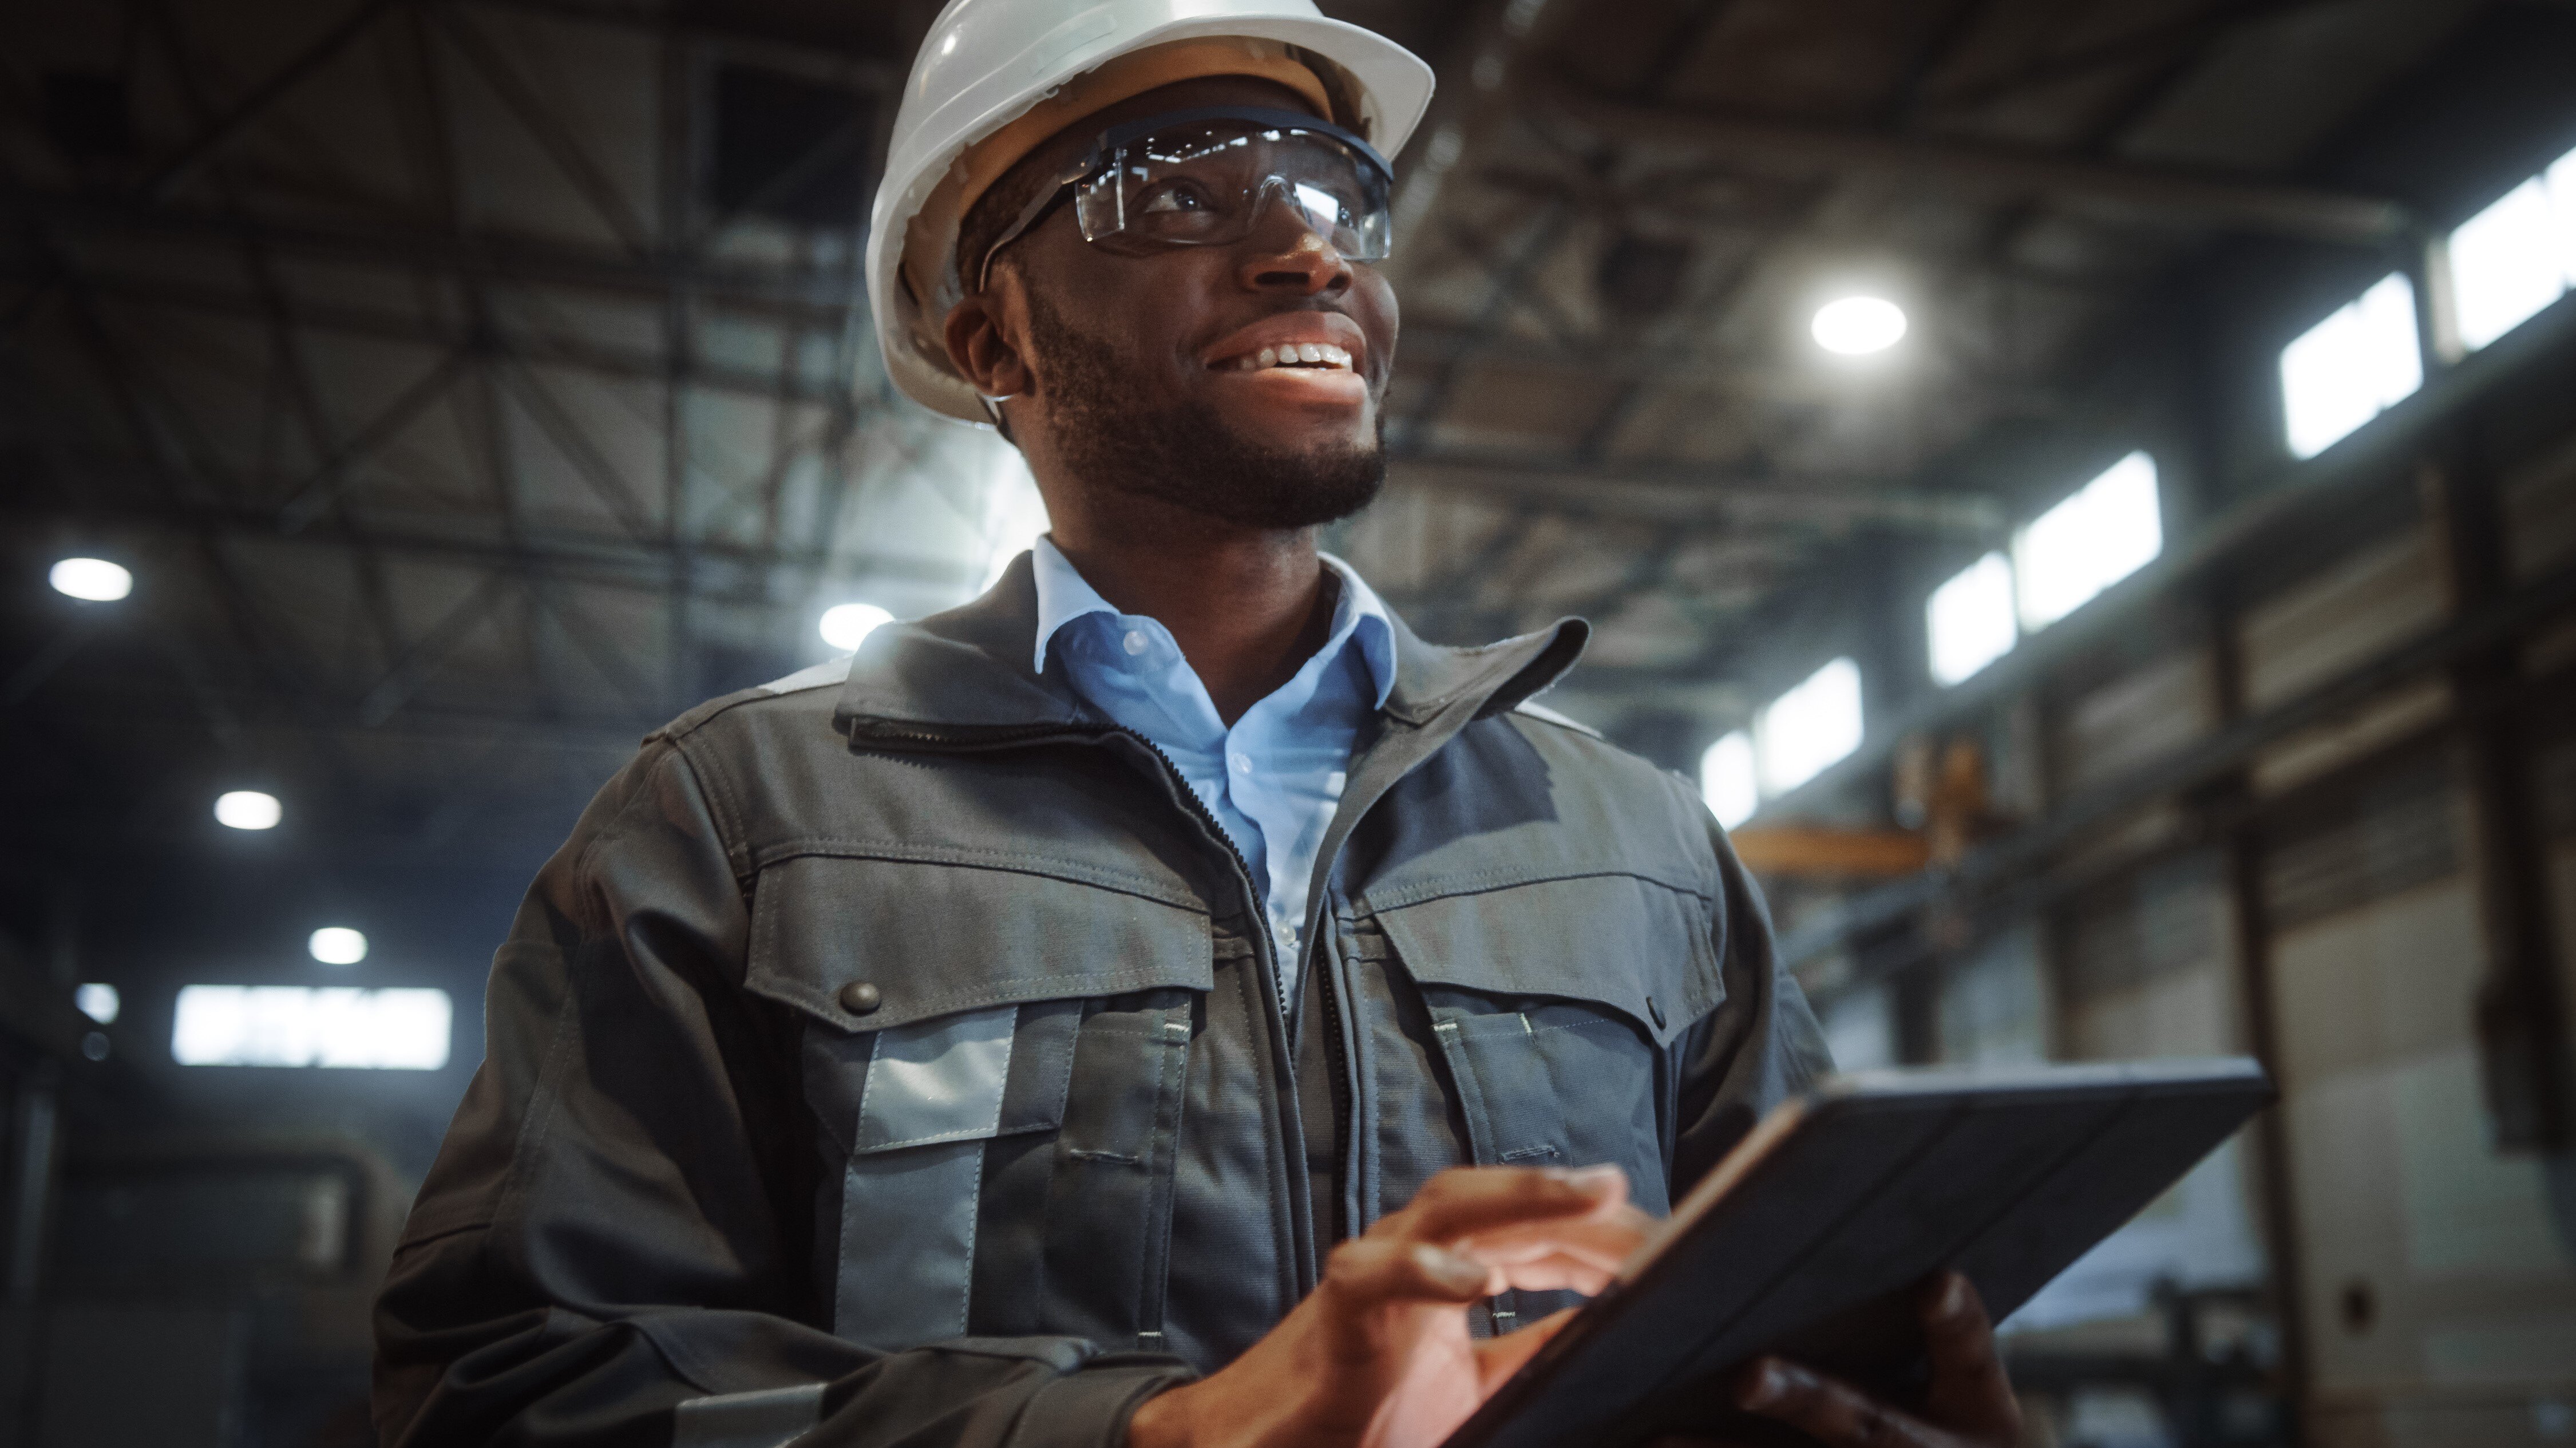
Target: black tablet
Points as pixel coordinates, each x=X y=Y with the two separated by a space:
x=1810 y=1237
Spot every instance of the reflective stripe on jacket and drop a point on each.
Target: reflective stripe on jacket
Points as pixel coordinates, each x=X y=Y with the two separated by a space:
x=897 y=1058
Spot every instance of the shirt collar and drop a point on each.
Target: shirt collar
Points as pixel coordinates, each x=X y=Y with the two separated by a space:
x=1064 y=595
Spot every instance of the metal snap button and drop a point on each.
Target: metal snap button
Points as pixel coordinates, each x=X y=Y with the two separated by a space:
x=861 y=997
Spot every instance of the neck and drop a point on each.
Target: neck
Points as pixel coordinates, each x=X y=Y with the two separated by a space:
x=1247 y=606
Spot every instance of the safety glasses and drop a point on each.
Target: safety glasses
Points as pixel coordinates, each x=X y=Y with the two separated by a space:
x=1204 y=177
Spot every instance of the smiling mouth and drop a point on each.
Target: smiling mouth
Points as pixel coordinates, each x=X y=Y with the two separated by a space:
x=1312 y=356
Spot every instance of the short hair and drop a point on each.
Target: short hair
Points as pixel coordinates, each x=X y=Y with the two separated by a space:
x=995 y=210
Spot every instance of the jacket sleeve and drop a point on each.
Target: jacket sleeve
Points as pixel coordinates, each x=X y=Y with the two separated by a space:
x=615 y=1244
x=1758 y=1048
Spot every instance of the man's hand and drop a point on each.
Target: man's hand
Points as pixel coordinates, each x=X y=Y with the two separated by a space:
x=1379 y=1356
x=1969 y=1405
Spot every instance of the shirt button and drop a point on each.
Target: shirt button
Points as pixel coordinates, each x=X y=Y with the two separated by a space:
x=1243 y=764
x=861 y=997
x=1136 y=642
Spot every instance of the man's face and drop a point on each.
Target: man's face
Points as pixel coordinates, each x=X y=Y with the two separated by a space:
x=1145 y=371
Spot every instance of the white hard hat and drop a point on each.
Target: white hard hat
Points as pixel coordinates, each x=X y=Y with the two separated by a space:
x=988 y=63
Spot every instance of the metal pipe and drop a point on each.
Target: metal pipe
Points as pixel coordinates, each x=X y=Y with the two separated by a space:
x=31 y=1181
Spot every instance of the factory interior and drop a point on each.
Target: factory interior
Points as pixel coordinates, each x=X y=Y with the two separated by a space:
x=2086 y=489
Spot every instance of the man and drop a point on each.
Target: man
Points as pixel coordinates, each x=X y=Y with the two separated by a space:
x=1163 y=1001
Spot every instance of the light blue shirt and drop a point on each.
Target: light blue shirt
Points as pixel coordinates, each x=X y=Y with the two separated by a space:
x=1274 y=779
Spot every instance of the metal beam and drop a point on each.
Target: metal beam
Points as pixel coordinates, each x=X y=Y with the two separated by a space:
x=2521 y=1026
x=2147 y=45
x=105 y=706
x=2162 y=194
x=1674 y=492
x=480 y=258
x=1698 y=495
x=603 y=560
x=481 y=337
x=549 y=130
x=174 y=173
x=1670 y=366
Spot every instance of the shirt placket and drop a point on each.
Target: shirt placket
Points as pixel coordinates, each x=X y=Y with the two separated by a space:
x=1252 y=790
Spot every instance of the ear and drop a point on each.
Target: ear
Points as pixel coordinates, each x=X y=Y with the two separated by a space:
x=980 y=347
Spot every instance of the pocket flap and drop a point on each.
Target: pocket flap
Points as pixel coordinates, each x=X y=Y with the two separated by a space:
x=939 y=1080
x=1638 y=947
x=937 y=938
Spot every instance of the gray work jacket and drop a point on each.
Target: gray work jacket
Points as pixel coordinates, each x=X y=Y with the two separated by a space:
x=897 y=1056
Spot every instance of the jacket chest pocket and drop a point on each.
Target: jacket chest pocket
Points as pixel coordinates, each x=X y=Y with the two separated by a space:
x=1553 y=1006
x=996 y=1062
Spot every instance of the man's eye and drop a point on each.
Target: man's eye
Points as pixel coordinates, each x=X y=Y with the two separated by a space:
x=1176 y=197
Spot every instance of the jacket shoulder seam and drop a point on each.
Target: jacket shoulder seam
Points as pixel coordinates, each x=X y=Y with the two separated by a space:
x=696 y=719
x=713 y=785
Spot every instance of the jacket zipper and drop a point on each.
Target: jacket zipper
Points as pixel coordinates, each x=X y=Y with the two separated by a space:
x=1265 y=952
x=1325 y=974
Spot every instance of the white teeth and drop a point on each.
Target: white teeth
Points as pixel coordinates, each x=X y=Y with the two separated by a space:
x=1295 y=354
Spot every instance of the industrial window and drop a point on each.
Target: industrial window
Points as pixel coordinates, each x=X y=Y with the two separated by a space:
x=2515 y=257
x=2110 y=528
x=1970 y=619
x=1727 y=779
x=1809 y=728
x=284 y=1025
x=2351 y=367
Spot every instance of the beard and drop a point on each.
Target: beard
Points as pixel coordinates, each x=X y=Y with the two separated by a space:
x=1185 y=455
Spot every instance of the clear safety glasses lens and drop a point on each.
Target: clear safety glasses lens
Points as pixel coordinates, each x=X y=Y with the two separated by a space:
x=1208 y=184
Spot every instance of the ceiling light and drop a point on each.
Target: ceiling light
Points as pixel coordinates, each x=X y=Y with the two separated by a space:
x=338 y=945
x=98 y=1001
x=846 y=625
x=93 y=579
x=1856 y=326
x=248 y=809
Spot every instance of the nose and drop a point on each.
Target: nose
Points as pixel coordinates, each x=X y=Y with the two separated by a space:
x=1287 y=253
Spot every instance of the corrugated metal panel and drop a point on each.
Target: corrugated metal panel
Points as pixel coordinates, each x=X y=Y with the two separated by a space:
x=2162 y=919
x=2540 y=512
x=2373 y=600
x=1994 y=1005
x=2385 y=720
x=2393 y=833
x=2145 y=965
x=2138 y=717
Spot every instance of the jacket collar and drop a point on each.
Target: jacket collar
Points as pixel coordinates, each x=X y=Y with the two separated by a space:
x=1359 y=615
x=968 y=669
